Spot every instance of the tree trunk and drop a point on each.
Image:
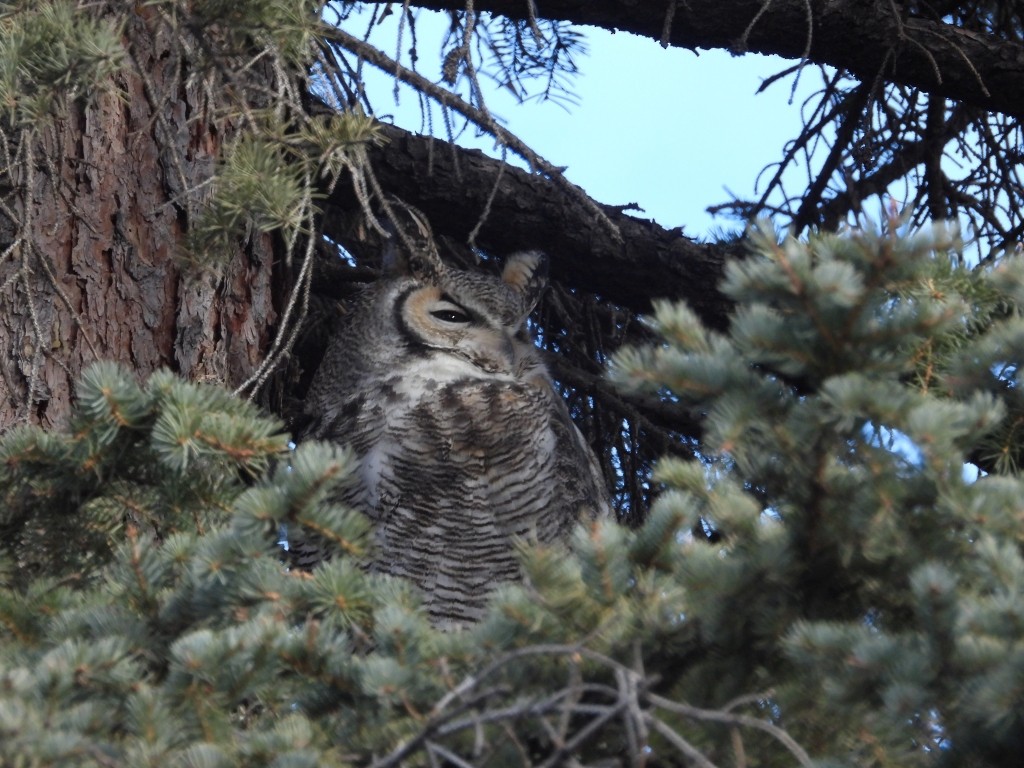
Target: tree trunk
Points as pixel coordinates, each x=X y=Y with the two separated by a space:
x=102 y=206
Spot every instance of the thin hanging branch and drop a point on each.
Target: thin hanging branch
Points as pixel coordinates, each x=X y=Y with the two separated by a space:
x=478 y=116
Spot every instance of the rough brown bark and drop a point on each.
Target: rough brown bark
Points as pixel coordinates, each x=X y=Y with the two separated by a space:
x=452 y=186
x=99 y=275
x=856 y=35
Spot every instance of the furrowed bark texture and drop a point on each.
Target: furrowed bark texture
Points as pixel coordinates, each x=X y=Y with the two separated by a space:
x=98 y=273
x=866 y=37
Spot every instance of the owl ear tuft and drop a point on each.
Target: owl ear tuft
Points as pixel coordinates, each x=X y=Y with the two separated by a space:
x=410 y=249
x=527 y=273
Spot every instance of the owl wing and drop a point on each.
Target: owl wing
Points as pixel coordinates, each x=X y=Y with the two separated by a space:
x=351 y=423
x=585 y=484
x=582 y=492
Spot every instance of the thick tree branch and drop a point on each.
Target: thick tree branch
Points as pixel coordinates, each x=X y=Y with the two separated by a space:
x=855 y=35
x=451 y=186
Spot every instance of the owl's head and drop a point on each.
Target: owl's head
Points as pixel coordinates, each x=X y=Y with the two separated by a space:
x=476 y=317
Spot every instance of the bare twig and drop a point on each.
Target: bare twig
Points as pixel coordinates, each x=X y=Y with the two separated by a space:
x=470 y=706
x=27 y=224
x=290 y=323
x=726 y=718
x=744 y=39
x=957 y=50
x=666 y=27
x=453 y=101
x=675 y=739
x=435 y=748
x=486 y=212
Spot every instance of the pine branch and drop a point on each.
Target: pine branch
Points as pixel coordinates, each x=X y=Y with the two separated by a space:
x=480 y=117
x=529 y=212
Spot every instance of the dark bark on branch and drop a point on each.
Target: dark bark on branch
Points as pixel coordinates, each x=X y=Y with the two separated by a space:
x=452 y=185
x=855 y=35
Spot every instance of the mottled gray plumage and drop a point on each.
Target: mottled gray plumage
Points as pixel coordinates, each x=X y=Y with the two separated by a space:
x=463 y=443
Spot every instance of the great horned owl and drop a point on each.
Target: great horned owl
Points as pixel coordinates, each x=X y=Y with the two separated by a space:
x=463 y=443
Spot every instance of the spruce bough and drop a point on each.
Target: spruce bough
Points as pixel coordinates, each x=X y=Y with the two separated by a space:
x=858 y=604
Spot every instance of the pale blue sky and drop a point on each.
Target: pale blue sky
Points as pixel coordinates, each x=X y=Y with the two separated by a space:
x=664 y=128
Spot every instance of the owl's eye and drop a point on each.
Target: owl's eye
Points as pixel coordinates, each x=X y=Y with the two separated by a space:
x=451 y=314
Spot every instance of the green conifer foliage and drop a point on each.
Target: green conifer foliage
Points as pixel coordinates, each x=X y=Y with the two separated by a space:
x=859 y=604
x=856 y=572
x=50 y=51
